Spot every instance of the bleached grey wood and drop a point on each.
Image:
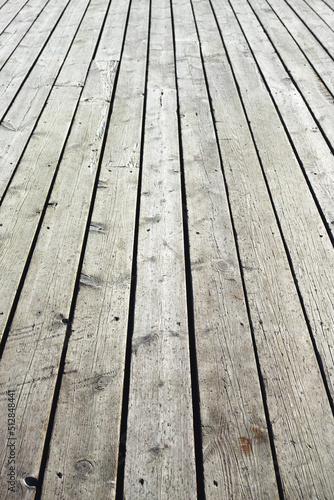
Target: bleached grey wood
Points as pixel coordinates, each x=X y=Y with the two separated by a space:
x=13 y=73
x=316 y=25
x=77 y=62
x=31 y=357
x=236 y=448
x=323 y=11
x=315 y=94
x=316 y=54
x=20 y=120
x=160 y=461
x=314 y=153
x=13 y=34
x=311 y=251
x=298 y=406
x=9 y=11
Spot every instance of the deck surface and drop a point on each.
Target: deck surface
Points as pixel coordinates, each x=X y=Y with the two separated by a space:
x=166 y=249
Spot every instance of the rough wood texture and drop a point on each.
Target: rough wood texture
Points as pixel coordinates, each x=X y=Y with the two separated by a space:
x=39 y=326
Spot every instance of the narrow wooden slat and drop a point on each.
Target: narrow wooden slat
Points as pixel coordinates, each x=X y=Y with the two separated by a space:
x=13 y=73
x=311 y=251
x=315 y=94
x=298 y=406
x=236 y=448
x=316 y=54
x=9 y=11
x=314 y=153
x=160 y=460
x=31 y=357
x=21 y=118
x=316 y=25
x=323 y=10
x=13 y=34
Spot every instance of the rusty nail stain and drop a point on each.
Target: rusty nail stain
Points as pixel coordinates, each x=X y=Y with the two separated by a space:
x=259 y=435
x=245 y=444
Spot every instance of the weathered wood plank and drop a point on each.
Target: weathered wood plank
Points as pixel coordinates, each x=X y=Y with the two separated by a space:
x=306 y=80
x=14 y=72
x=236 y=448
x=24 y=113
x=160 y=460
x=316 y=157
x=311 y=251
x=32 y=353
x=316 y=25
x=299 y=410
x=315 y=53
x=323 y=10
x=9 y=11
x=13 y=34
x=96 y=350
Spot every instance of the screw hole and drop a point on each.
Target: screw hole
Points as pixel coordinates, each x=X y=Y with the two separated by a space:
x=215 y=483
x=59 y=474
x=141 y=481
x=31 y=481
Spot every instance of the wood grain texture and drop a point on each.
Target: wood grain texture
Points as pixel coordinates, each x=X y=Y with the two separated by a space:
x=237 y=454
x=9 y=11
x=20 y=120
x=299 y=410
x=316 y=157
x=31 y=357
x=323 y=11
x=160 y=461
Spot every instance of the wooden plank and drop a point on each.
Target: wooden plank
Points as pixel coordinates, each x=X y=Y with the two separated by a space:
x=314 y=93
x=316 y=25
x=310 y=251
x=32 y=353
x=9 y=11
x=323 y=10
x=315 y=53
x=236 y=448
x=75 y=69
x=17 y=68
x=21 y=210
x=298 y=406
x=160 y=460
x=13 y=34
x=317 y=159
x=96 y=349
x=20 y=120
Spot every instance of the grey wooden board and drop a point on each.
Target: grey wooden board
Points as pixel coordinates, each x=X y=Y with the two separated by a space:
x=317 y=97
x=13 y=34
x=96 y=350
x=236 y=449
x=22 y=116
x=311 y=251
x=160 y=461
x=77 y=62
x=316 y=25
x=14 y=72
x=313 y=151
x=299 y=410
x=9 y=11
x=323 y=11
x=316 y=54
x=39 y=324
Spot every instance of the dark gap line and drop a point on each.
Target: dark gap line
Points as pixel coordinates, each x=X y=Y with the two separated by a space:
x=132 y=301
x=301 y=50
x=301 y=164
x=17 y=13
x=309 y=29
x=256 y=354
x=319 y=15
x=43 y=107
x=197 y=421
x=286 y=248
x=35 y=61
x=289 y=73
x=32 y=24
x=61 y=367
x=324 y=1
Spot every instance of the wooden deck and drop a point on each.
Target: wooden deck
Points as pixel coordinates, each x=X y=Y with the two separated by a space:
x=166 y=258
